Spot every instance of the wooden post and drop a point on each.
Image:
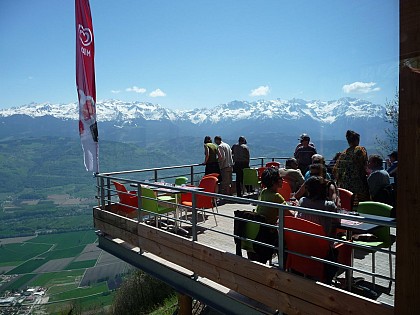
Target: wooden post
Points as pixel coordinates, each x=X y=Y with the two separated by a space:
x=407 y=297
x=184 y=304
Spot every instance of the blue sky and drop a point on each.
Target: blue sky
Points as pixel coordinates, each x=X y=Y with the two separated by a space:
x=189 y=54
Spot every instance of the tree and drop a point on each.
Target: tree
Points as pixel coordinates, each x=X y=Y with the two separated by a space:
x=140 y=293
x=390 y=142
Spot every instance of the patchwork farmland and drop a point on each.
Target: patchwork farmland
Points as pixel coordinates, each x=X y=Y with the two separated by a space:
x=64 y=267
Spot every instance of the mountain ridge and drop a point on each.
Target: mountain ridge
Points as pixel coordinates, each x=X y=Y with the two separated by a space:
x=324 y=112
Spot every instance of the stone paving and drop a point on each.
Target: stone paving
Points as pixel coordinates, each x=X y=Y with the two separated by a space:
x=363 y=261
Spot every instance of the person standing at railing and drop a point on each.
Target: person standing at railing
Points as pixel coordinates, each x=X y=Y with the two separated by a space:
x=350 y=170
x=211 y=156
x=225 y=164
x=303 y=152
x=241 y=158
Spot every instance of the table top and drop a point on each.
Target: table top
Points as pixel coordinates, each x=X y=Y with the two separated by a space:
x=169 y=188
x=363 y=227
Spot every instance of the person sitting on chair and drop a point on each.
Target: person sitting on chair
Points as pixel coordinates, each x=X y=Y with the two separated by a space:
x=272 y=182
x=317 y=199
x=378 y=177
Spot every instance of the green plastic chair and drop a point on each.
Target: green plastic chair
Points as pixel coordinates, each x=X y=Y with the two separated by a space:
x=181 y=180
x=251 y=178
x=150 y=203
x=383 y=233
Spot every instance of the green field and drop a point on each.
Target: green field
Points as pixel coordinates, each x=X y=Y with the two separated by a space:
x=27 y=266
x=58 y=277
x=80 y=292
x=66 y=240
x=19 y=282
x=81 y=264
x=63 y=253
x=20 y=252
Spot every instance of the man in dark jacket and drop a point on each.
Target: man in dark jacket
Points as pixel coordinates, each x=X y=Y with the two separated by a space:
x=304 y=151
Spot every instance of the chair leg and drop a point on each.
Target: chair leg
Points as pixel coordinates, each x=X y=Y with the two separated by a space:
x=214 y=215
x=373 y=269
x=390 y=266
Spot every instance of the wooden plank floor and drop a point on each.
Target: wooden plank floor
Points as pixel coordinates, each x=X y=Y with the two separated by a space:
x=361 y=261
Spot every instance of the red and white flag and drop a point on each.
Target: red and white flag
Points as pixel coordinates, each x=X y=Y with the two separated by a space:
x=85 y=81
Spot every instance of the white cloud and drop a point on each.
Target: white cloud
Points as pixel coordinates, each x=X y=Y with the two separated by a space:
x=115 y=91
x=360 y=87
x=260 y=91
x=157 y=93
x=136 y=89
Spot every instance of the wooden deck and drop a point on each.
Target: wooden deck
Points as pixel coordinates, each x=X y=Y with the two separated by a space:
x=362 y=259
x=213 y=257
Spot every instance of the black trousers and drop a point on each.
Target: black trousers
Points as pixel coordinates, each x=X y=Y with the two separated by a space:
x=238 y=168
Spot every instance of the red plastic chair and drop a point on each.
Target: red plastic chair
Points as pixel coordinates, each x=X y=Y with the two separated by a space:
x=285 y=190
x=128 y=199
x=306 y=245
x=260 y=170
x=347 y=199
x=273 y=164
x=209 y=184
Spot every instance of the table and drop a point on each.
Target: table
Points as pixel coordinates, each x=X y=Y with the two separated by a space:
x=351 y=227
x=172 y=190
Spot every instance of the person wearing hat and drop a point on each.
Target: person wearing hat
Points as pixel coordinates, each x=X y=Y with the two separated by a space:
x=241 y=158
x=392 y=165
x=303 y=152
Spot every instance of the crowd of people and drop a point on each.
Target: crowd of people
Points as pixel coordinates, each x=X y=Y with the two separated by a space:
x=314 y=183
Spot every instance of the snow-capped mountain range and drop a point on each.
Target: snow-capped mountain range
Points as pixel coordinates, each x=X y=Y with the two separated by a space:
x=324 y=112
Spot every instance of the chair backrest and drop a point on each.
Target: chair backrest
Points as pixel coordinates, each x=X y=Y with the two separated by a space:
x=251 y=177
x=346 y=198
x=307 y=245
x=260 y=170
x=187 y=197
x=148 y=200
x=181 y=180
x=246 y=229
x=285 y=190
x=273 y=164
x=126 y=199
x=209 y=183
x=381 y=209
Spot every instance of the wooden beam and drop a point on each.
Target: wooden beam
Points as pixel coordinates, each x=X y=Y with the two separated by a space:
x=275 y=288
x=407 y=288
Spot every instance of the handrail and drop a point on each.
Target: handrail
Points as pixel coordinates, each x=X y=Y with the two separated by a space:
x=106 y=198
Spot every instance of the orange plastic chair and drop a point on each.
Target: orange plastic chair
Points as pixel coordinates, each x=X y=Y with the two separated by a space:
x=347 y=198
x=306 y=245
x=285 y=190
x=212 y=174
x=260 y=170
x=273 y=164
x=209 y=184
x=128 y=199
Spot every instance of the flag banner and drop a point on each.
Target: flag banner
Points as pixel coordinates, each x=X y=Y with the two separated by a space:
x=85 y=81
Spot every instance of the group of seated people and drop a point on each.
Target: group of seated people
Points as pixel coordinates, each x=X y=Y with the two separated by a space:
x=316 y=189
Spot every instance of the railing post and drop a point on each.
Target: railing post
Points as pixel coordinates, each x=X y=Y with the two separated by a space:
x=102 y=192
x=192 y=175
x=194 y=217
x=280 y=234
x=156 y=175
x=139 y=204
x=108 y=186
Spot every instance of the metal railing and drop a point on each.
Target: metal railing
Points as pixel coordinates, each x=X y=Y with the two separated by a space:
x=108 y=196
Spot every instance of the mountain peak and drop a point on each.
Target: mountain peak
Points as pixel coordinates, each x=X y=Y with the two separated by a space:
x=325 y=112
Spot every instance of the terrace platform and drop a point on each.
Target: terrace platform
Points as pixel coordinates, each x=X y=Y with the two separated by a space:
x=202 y=264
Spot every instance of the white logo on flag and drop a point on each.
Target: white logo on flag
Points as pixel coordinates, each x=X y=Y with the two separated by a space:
x=85 y=35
